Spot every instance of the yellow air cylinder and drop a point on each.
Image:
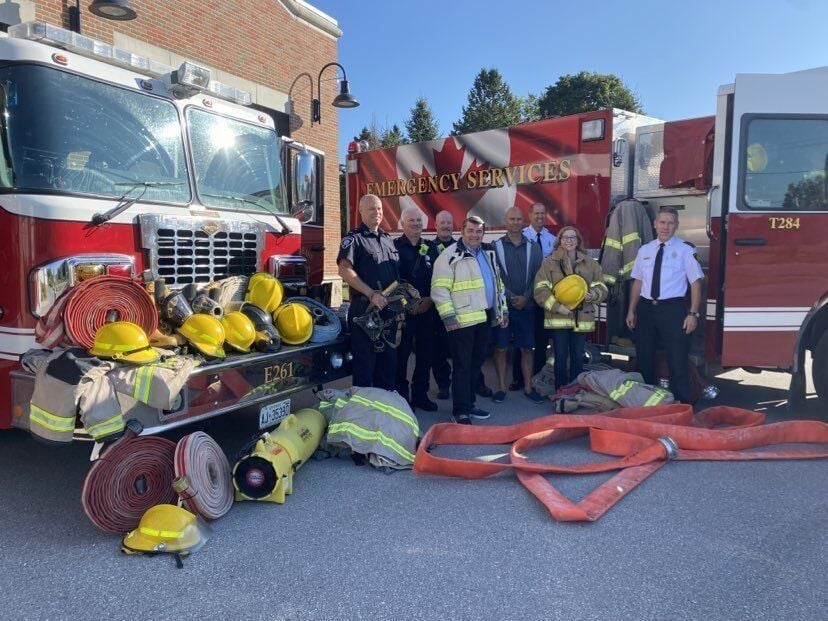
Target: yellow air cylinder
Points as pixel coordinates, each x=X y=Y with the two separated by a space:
x=266 y=473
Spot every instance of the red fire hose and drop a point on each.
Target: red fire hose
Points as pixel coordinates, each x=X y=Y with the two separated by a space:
x=132 y=475
x=78 y=313
x=203 y=479
x=643 y=440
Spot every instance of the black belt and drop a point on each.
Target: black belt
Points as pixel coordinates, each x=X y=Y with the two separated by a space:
x=665 y=301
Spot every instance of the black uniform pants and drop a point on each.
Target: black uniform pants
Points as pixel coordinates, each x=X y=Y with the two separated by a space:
x=569 y=355
x=468 y=352
x=370 y=368
x=440 y=366
x=539 y=357
x=662 y=323
x=417 y=337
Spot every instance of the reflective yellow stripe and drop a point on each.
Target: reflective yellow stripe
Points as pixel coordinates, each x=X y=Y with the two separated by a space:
x=598 y=283
x=622 y=390
x=341 y=403
x=609 y=278
x=627 y=268
x=630 y=237
x=442 y=307
x=50 y=421
x=442 y=282
x=543 y=283
x=167 y=534
x=106 y=427
x=657 y=397
x=466 y=285
x=143 y=380
x=550 y=302
x=566 y=324
x=471 y=317
x=371 y=436
x=613 y=243
x=397 y=413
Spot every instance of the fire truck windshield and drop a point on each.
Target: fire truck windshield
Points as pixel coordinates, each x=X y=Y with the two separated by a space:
x=236 y=164
x=69 y=134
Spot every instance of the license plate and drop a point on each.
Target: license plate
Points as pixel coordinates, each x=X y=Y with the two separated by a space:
x=273 y=413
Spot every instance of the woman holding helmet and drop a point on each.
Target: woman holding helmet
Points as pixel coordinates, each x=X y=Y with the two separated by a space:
x=567 y=287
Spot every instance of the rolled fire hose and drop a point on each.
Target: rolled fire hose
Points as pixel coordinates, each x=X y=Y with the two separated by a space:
x=132 y=475
x=327 y=326
x=203 y=479
x=96 y=301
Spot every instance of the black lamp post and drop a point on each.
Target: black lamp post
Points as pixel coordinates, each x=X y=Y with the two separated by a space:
x=119 y=10
x=343 y=100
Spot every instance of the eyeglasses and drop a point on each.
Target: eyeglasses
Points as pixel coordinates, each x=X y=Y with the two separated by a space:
x=568 y=238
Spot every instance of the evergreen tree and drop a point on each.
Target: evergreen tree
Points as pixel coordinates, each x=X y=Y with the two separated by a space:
x=491 y=104
x=585 y=92
x=392 y=137
x=370 y=135
x=421 y=124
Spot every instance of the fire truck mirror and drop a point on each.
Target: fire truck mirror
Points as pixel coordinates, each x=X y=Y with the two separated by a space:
x=619 y=151
x=305 y=168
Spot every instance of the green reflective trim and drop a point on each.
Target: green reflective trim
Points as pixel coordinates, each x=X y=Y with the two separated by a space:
x=598 y=283
x=166 y=534
x=471 y=317
x=341 y=403
x=630 y=237
x=656 y=398
x=444 y=306
x=106 y=427
x=467 y=285
x=143 y=382
x=370 y=436
x=550 y=302
x=442 y=282
x=613 y=243
x=543 y=283
x=627 y=268
x=567 y=324
x=50 y=421
x=610 y=279
x=622 y=390
x=385 y=408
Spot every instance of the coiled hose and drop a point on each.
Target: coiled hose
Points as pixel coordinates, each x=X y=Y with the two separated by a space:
x=326 y=324
x=132 y=475
x=203 y=479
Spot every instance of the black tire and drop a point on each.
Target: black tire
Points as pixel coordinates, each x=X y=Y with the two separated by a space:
x=819 y=368
x=592 y=354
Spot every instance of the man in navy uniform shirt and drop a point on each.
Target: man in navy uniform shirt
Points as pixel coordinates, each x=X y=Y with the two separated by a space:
x=658 y=309
x=368 y=262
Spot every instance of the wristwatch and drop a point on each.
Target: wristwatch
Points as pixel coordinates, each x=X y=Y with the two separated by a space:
x=696 y=315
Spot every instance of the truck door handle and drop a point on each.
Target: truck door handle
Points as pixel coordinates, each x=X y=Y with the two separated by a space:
x=750 y=241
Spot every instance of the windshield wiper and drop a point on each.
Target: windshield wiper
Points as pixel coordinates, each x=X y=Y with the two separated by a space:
x=125 y=203
x=285 y=228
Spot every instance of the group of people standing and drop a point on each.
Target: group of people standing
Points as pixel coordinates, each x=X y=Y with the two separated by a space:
x=473 y=295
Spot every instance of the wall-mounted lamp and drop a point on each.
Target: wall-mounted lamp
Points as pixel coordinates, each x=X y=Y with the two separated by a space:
x=343 y=100
x=119 y=10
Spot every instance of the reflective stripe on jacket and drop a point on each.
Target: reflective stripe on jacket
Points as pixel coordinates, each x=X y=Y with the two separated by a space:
x=626 y=389
x=458 y=291
x=373 y=422
x=553 y=269
x=628 y=229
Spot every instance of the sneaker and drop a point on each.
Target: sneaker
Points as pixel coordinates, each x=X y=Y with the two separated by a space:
x=424 y=403
x=499 y=397
x=479 y=414
x=534 y=396
x=461 y=419
x=442 y=393
x=483 y=390
x=515 y=386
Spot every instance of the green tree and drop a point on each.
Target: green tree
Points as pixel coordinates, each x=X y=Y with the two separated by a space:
x=530 y=108
x=392 y=137
x=491 y=104
x=421 y=124
x=371 y=135
x=585 y=92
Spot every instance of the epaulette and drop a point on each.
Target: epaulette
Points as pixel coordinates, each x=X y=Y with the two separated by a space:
x=691 y=244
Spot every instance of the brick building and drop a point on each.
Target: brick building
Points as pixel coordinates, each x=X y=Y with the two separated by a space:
x=256 y=45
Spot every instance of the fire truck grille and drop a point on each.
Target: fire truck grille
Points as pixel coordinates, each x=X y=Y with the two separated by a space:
x=200 y=250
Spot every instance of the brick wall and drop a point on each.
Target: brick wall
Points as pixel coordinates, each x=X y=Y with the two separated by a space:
x=258 y=40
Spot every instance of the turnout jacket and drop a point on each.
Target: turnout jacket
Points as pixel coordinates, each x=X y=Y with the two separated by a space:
x=553 y=269
x=628 y=229
x=458 y=291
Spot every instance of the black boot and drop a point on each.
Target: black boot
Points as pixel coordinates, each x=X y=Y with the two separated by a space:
x=424 y=403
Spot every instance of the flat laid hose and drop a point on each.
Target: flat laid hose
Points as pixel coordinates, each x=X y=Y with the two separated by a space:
x=203 y=478
x=132 y=475
x=641 y=439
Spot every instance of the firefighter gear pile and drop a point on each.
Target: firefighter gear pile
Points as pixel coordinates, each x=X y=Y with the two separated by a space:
x=125 y=342
x=167 y=529
x=373 y=422
x=130 y=476
x=266 y=472
x=202 y=476
x=628 y=229
x=641 y=440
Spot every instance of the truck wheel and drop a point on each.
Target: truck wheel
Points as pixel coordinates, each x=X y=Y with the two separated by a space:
x=819 y=368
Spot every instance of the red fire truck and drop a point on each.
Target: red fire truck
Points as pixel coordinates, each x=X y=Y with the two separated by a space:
x=115 y=164
x=750 y=184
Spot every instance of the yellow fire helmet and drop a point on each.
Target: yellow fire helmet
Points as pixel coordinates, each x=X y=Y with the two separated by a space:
x=205 y=333
x=258 y=276
x=570 y=291
x=167 y=529
x=266 y=293
x=294 y=323
x=240 y=333
x=123 y=341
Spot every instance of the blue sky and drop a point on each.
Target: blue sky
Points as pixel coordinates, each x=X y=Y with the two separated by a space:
x=674 y=55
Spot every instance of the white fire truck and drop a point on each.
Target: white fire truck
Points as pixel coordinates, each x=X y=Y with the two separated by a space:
x=111 y=163
x=750 y=183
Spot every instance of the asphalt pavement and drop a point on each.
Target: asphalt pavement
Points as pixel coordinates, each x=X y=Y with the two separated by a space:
x=698 y=540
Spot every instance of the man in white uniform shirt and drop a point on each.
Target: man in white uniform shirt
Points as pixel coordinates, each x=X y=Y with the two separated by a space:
x=658 y=309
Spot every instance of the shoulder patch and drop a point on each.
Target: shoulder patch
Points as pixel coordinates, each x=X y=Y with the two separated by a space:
x=692 y=245
x=346 y=242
